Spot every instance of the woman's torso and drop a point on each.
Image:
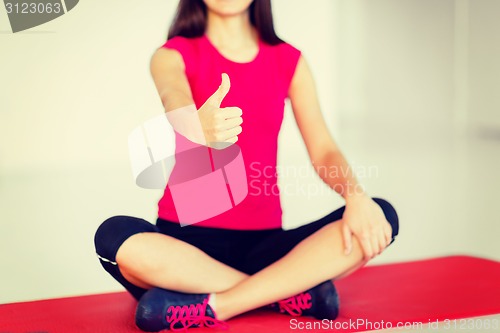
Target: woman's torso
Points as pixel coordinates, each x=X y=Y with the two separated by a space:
x=259 y=88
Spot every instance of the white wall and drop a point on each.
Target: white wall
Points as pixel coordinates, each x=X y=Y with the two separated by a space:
x=72 y=90
x=484 y=75
x=386 y=70
x=397 y=60
x=311 y=29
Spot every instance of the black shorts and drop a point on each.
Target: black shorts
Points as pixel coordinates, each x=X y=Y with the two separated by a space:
x=248 y=251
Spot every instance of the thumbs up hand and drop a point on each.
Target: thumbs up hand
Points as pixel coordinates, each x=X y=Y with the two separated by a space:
x=221 y=126
x=211 y=125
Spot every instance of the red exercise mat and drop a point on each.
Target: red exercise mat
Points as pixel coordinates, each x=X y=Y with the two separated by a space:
x=419 y=291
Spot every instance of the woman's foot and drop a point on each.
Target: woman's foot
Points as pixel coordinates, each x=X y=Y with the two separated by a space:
x=160 y=309
x=321 y=302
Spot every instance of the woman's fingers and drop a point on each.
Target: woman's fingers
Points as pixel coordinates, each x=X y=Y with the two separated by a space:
x=366 y=245
x=384 y=236
x=347 y=238
x=230 y=112
x=382 y=241
x=232 y=140
x=220 y=125
x=229 y=134
x=388 y=234
x=228 y=128
x=231 y=123
x=375 y=245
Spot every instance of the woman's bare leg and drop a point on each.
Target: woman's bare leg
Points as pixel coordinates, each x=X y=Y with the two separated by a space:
x=314 y=260
x=151 y=259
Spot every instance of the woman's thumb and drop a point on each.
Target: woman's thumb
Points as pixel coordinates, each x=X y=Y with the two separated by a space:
x=218 y=96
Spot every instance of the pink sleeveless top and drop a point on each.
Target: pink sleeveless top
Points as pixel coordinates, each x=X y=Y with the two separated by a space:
x=259 y=88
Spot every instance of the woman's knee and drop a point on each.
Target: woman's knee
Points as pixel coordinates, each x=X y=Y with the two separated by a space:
x=390 y=214
x=114 y=231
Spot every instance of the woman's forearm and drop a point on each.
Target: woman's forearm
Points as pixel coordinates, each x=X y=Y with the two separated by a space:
x=168 y=73
x=173 y=99
x=338 y=174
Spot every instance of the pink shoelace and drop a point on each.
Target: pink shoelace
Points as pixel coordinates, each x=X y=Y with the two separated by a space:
x=192 y=315
x=296 y=304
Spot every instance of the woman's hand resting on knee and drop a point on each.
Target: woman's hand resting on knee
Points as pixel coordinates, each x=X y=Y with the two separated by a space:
x=363 y=218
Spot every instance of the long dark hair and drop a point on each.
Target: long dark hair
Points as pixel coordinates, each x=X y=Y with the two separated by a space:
x=191 y=20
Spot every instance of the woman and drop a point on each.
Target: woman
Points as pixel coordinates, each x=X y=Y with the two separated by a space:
x=224 y=59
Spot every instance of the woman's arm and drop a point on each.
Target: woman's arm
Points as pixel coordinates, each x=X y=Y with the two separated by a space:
x=324 y=153
x=362 y=216
x=168 y=72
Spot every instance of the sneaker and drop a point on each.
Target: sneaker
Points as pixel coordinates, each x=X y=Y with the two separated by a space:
x=320 y=302
x=160 y=309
